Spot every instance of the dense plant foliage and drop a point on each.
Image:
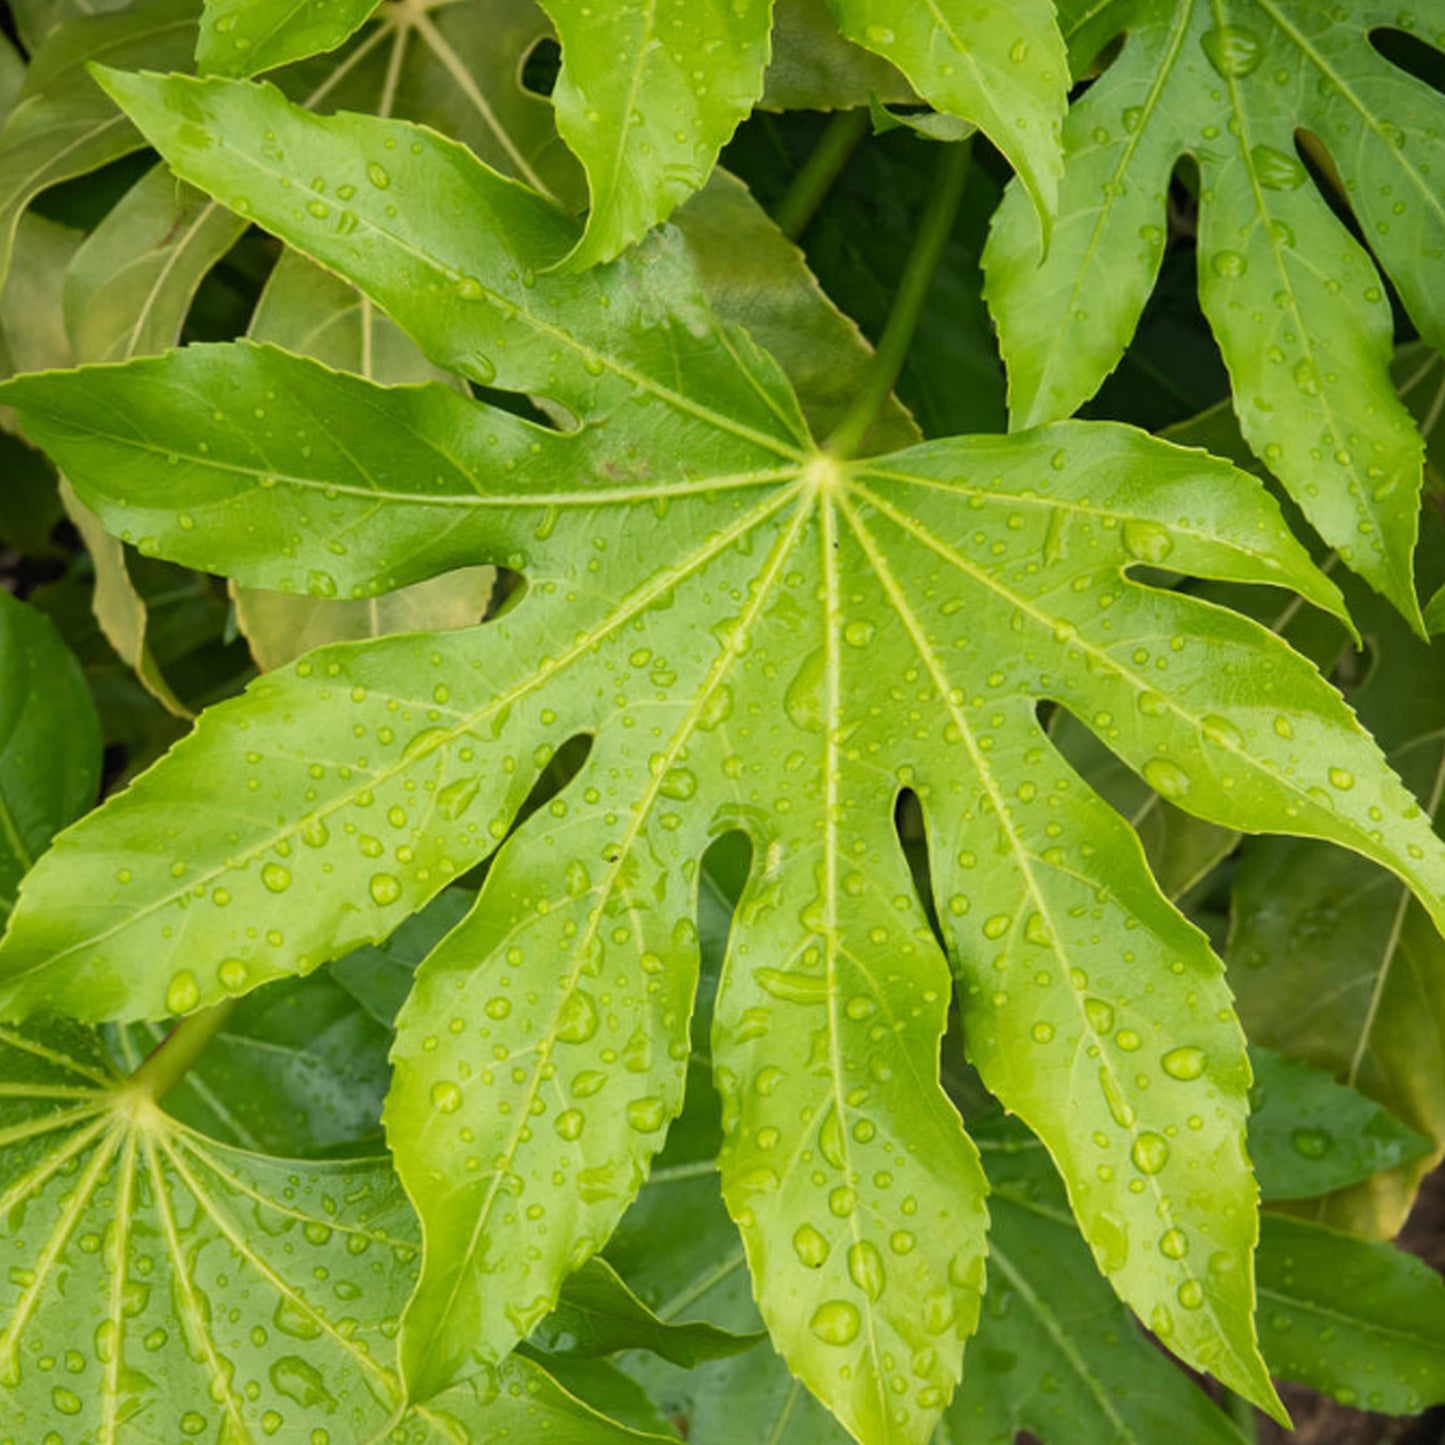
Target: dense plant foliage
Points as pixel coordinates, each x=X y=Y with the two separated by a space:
x=674 y=820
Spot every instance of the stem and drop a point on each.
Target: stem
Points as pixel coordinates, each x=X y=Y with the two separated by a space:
x=815 y=177
x=913 y=288
x=167 y=1063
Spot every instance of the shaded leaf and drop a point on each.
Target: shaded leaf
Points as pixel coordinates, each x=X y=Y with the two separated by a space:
x=1295 y=302
x=1309 y=1135
x=63 y=124
x=599 y=1315
x=1361 y=1321
x=49 y=741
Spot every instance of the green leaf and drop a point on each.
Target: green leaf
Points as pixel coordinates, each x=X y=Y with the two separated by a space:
x=1309 y=1135
x=1056 y=1354
x=1435 y=614
x=1362 y=1321
x=1000 y=64
x=49 y=741
x=599 y=1315
x=1296 y=304
x=30 y=501
x=232 y=1293
x=63 y=124
x=246 y=37
x=754 y=636
x=757 y=279
x=162 y=1285
x=298 y=1071
x=814 y=68
x=1313 y=923
x=309 y=311
x=649 y=92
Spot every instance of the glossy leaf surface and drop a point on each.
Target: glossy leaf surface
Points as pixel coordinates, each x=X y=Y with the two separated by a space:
x=1295 y=302
x=246 y=37
x=788 y=642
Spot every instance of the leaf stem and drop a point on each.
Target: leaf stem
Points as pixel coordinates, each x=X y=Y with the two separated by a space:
x=169 y=1061
x=913 y=288
x=815 y=177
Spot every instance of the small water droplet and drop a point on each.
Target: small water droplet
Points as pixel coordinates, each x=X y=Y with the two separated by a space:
x=1150 y=1153
x=1167 y=779
x=446 y=1097
x=810 y=1247
x=183 y=994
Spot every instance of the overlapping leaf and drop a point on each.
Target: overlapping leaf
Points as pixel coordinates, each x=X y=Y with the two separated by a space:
x=651 y=89
x=755 y=636
x=1252 y=90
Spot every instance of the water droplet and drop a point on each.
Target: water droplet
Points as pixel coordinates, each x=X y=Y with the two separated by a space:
x=1342 y=779
x=1277 y=170
x=810 y=1247
x=858 y=634
x=1312 y=1143
x=865 y=1268
x=793 y=986
x=276 y=878
x=1150 y=1153
x=1228 y=264
x=568 y=1124
x=1232 y=50
x=997 y=926
x=446 y=1097
x=1043 y=1032
x=384 y=888
x=183 y=994
x=1191 y=1294
x=377 y=175
x=879 y=35
x=232 y=974
x=577 y=1018
x=1173 y=1244
x=1283 y=726
x=1184 y=1063
x=804 y=699
x=836 y=1322
x=1099 y=1014
x=1167 y=779
x=1306 y=377
x=902 y=1241
x=647 y=1115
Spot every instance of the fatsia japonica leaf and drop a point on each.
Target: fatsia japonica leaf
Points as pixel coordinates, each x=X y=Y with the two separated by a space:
x=1252 y=91
x=651 y=89
x=160 y=1285
x=246 y=37
x=755 y=636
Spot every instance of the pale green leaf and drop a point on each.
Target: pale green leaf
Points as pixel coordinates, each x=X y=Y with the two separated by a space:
x=131 y=282
x=1309 y=1135
x=998 y=63
x=754 y=637
x=63 y=124
x=1295 y=302
x=12 y=75
x=649 y=92
x=1360 y=1320
x=246 y=37
x=307 y=310
x=49 y=741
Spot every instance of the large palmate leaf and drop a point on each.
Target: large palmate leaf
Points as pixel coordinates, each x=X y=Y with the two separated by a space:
x=1295 y=302
x=755 y=636
x=160 y=1285
x=651 y=89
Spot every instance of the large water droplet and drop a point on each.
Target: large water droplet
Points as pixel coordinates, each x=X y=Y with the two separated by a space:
x=1184 y=1063
x=1150 y=1153
x=1233 y=50
x=810 y=1246
x=446 y=1097
x=1167 y=778
x=183 y=994
x=577 y=1018
x=836 y=1322
x=865 y=1268
x=276 y=878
